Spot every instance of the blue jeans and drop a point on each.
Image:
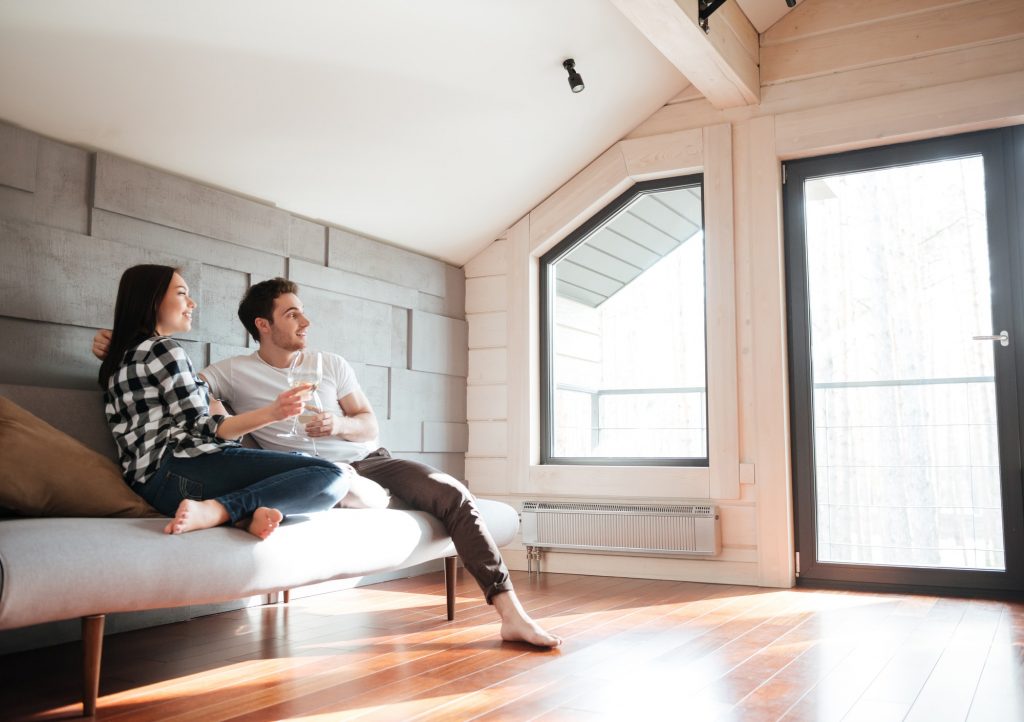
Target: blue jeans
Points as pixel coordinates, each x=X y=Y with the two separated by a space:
x=245 y=479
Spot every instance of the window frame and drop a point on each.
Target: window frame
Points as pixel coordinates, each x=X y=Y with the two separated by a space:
x=546 y=309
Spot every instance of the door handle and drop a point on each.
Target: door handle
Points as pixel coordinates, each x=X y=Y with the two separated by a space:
x=1003 y=338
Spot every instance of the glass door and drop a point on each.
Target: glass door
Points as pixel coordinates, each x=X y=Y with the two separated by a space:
x=906 y=445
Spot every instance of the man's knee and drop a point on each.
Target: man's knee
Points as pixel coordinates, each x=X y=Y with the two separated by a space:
x=451 y=484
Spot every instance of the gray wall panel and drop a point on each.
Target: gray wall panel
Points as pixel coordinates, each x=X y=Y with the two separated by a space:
x=18 y=157
x=47 y=274
x=17 y=204
x=305 y=273
x=349 y=326
x=453 y=303
x=427 y=397
x=134 y=190
x=185 y=245
x=219 y=351
x=61 y=197
x=401 y=435
x=47 y=354
x=218 y=305
x=379 y=260
x=438 y=344
x=430 y=304
x=62 y=186
x=307 y=240
x=52 y=354
x=400 y=337
x=442 y=436
x=375 y=382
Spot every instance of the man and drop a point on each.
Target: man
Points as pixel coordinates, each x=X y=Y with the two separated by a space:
x=346 y=432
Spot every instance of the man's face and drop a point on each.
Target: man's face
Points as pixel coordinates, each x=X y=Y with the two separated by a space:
x=288 y=326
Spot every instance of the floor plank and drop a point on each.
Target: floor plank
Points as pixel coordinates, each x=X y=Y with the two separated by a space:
x=633 y=649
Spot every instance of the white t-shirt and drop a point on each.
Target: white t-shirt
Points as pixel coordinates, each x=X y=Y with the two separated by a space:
x=248 y=382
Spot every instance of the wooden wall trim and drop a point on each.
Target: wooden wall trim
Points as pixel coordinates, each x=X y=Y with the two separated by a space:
x=915 y=114
x=723 y=427
x=892 y=39
x=943 y=69
x=820 y=17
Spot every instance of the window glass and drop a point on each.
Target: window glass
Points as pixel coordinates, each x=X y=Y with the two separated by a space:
x=625 y=334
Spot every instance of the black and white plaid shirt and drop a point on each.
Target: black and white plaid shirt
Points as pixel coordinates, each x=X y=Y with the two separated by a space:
x=155 y=404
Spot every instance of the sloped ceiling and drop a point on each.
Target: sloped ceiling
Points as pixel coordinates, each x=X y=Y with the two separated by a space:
x=430 y=125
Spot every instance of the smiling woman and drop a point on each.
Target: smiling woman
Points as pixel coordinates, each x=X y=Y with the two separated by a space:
x=175 y=312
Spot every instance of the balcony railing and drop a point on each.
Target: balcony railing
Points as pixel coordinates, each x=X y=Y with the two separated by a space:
x=600 y=431
x=907 y=473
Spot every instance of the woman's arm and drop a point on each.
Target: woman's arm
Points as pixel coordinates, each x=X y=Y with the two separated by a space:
x=186 y=400
x=285 y=406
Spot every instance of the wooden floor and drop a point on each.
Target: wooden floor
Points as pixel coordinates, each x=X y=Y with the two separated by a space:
x=635 y=649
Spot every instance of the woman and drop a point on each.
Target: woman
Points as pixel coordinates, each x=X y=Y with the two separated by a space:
x=179 y=450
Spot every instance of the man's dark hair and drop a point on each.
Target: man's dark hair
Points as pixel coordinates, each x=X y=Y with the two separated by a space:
x=139 y=295
x=258 y=302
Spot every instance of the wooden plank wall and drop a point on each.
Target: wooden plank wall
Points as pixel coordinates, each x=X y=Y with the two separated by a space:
x=835 y=75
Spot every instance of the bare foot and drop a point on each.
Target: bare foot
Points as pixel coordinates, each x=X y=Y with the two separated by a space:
x=517 y=626
x=193 y=515
x=264 y=521
x=527 y=630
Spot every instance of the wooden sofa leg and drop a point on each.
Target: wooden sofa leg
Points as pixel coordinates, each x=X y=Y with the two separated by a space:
x=92 y=652
x=450 y=572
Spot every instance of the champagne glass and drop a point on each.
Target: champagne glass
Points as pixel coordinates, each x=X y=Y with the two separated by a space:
x=310 y=412
x=306 y=368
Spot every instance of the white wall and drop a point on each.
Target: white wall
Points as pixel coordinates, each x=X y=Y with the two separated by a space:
x=834 y=76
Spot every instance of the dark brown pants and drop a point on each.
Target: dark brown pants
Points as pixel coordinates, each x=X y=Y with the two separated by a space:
x=426 y=489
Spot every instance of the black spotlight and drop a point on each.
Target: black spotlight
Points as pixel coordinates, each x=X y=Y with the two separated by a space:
x=575 y=79
x=791 y=3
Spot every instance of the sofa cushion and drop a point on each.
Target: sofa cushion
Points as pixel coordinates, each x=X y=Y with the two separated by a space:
x=44 y=472
x=65 y=568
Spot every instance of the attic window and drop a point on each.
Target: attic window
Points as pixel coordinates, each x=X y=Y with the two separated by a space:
x=623 y=333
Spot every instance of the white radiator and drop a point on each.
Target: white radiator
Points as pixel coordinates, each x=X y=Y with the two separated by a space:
x=676 y=529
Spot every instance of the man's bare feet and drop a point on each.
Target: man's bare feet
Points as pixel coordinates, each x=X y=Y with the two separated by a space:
x=517 y=626
x=193 y=515
x=264 y=521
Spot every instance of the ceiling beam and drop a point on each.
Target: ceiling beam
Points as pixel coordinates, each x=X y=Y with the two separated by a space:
x=722 y=64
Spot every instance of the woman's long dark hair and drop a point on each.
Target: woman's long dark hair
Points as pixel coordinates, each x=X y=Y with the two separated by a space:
x=139 y=295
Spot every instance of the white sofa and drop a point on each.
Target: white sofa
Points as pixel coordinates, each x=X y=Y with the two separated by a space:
x=66 y=568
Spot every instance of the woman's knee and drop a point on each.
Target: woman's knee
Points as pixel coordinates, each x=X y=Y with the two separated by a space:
x=335 y=481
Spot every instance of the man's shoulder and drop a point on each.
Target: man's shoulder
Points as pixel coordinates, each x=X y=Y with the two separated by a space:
x=230 y=362
x=337 y=362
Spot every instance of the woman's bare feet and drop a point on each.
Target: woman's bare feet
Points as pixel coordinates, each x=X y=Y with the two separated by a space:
x=193 y=515
x=264 y=521
x=517 y=626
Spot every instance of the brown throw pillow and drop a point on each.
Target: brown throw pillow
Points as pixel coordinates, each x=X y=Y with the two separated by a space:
x=45 y=472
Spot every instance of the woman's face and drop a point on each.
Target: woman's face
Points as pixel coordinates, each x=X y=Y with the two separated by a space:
x=175 y=312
